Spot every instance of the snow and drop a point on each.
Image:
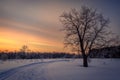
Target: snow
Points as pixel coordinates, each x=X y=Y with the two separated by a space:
x=6 y=65
x=60 y=69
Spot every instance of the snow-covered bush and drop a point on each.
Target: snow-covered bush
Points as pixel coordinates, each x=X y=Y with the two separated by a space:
x=4 y=57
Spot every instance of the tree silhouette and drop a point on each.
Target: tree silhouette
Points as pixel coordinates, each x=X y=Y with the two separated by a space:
x=85 y=29
x=24 y=48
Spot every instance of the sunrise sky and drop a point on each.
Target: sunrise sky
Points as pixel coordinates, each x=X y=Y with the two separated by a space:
x=35 y=23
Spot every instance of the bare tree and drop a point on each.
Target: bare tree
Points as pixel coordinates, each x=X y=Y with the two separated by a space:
x=24 y=49
x=85 y=29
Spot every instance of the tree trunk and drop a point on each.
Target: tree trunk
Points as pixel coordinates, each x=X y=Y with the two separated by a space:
x=85 y=62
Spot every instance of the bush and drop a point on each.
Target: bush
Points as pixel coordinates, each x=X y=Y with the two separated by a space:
x=4 y=57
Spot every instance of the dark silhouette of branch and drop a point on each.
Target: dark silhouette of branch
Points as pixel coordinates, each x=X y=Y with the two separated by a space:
x=85 y=29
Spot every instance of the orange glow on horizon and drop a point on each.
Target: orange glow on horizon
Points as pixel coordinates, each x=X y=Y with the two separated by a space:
x=12 y=40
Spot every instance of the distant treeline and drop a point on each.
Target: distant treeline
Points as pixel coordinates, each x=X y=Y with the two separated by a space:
x=35 y=55
x=107 y=52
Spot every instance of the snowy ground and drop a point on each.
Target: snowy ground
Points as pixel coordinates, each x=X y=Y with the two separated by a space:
x=60 y=69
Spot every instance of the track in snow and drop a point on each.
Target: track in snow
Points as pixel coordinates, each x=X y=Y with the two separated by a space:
x=34 y=71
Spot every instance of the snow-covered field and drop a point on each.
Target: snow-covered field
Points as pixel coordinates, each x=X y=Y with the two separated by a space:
x=60 y=69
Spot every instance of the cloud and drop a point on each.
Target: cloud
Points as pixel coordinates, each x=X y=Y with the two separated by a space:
x=40 y=18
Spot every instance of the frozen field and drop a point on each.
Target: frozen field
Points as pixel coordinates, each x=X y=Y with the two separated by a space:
x=60 y=69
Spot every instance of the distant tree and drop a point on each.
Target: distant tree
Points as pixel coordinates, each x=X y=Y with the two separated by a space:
x=24 y=48
x=85 y=29
x=23 y=52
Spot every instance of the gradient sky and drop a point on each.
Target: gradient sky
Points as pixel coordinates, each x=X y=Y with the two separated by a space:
x=35 y=23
